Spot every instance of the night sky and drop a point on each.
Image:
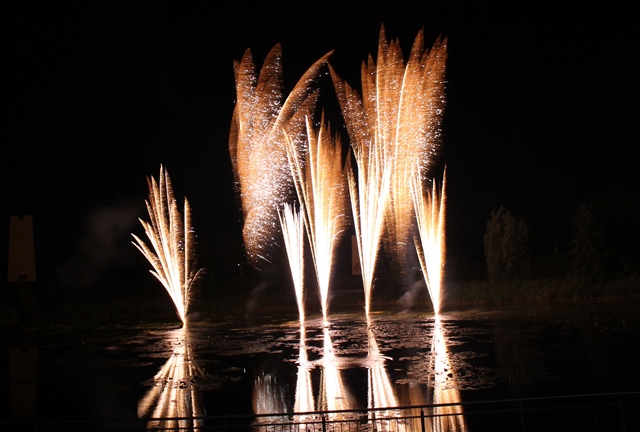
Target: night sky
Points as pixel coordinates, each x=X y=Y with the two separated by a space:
x=539 y=115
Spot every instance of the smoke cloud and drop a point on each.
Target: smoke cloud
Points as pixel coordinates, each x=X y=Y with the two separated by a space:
x=104 y=247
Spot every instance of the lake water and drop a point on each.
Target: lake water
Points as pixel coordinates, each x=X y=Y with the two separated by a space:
x=272 y=364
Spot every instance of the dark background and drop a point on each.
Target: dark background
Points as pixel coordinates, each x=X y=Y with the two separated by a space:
x=539 y=118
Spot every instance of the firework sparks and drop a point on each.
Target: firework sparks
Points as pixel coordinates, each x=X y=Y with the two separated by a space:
x=172 y=239
x=447 y=413
x=430 y=217
x=293 y=231
x=410 y=101
x=174 y=401
x=395 y=124
x=321 y=189
x=257 y=145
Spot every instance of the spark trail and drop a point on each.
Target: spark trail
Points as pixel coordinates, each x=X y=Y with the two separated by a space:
x=394 y=124
x=172 y=239
x=293 y=231
x=261 y=118
x=321 y=189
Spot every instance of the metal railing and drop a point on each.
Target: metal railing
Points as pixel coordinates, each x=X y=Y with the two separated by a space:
x=619 y=412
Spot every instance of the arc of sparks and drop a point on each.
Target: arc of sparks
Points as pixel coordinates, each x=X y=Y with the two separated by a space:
x=381 y=391
x=430 y=217
x=447 y=412
x=261 y=118
x=321 y=189
x=172 y=240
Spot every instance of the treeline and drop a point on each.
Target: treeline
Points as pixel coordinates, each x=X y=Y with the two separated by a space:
x=603 y=255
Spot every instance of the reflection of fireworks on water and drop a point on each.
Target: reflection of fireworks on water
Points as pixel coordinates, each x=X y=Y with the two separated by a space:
x=319 y=181
x=257 y=144
x=430 y=211
x=304 y=401
x=381 y=391
x=448 y=415
x=334 y=394
x=172 y=251
x=174 y=401
x=393 y=126
x=269 y=398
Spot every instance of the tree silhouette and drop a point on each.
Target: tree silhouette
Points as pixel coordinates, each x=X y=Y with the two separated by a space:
x=506 y=246
x=589 y=251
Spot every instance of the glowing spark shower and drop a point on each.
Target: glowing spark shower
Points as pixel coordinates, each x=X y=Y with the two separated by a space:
x=257 y=145
x=395 y=124
x=172 y=251
x=430 y=246
x=321 y=190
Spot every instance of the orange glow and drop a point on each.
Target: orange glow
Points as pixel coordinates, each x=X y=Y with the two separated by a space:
x=394 y=127
x=257 y=144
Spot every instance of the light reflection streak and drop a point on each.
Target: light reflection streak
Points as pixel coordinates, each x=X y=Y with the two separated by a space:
x=334 y=394
x=381 y=392
x=434 y=393
x=174 y=400
x=304 y=401
x=447 y=418
x=172 y=251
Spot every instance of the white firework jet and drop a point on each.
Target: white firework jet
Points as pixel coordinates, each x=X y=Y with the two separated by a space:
x=172 y=243
x=430 y=244
x=293 y=228
x=321 y=188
